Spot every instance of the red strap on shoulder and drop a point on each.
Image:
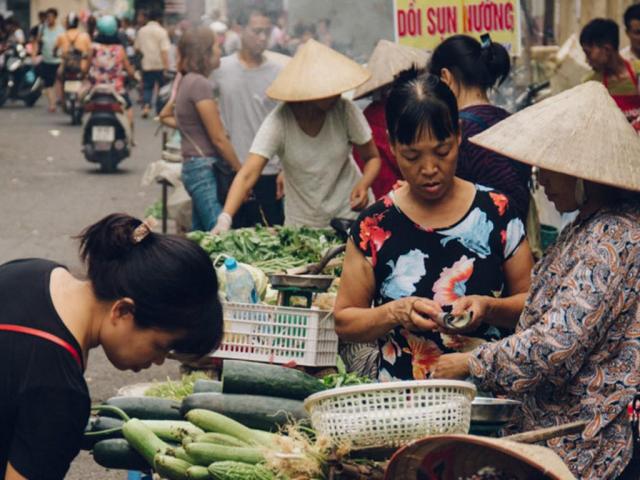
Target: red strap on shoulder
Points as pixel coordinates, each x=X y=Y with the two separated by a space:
x=34 y=332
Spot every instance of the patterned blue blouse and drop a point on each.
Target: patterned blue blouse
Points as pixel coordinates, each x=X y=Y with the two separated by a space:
x=441 y=264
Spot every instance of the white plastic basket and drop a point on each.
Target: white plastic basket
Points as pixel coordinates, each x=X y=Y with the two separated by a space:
x=265 y=333
x=391 y=414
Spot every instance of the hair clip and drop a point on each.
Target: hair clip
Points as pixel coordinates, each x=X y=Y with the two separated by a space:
x=143 y=230
x=485 y=40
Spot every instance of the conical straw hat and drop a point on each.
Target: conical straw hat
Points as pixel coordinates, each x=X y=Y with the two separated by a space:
x=316 y=72
x=461 y=456
x=388 y=60
x=580 y=132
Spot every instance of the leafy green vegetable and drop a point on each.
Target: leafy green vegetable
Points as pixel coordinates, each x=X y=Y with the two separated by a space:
x=176 y=390
x=343 y=378
x=270 y=249
x=154 y=210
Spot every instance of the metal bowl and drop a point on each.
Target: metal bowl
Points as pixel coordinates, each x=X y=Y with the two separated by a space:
x=493 y=410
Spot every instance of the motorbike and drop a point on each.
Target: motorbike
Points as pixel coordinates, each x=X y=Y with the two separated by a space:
x=106 y=136
x=18 y=78
x=72 y=85
x=529 y=96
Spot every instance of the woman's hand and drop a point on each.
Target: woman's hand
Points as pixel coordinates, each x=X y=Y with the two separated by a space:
x=280 y=186
x=359 y=196
x=415 y=313
x=479 y=305
x=451 y=365
x=223 y=224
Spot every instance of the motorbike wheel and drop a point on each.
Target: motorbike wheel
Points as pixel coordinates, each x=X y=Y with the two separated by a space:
x=32 y=98
x=108 y=164
x=76 y=114
x=4 y=89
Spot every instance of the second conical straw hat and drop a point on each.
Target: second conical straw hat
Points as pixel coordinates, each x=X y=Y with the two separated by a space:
x=580 y=132
x=315 y=72
x=388 y=60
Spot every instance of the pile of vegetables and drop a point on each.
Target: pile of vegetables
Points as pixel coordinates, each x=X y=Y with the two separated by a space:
x=270 y=249
x=176 y=390
x=250 y=425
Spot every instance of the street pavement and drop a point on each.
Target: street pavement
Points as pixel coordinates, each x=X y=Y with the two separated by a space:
x=48 y=193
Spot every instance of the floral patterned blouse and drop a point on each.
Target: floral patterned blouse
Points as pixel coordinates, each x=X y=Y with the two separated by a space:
x=441 y=264
x=576 y=351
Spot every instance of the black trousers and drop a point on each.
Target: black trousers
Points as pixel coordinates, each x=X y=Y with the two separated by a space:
x=262 y=207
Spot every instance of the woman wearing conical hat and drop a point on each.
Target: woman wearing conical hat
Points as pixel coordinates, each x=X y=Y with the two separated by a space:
x=576 y=350
x=312 y=132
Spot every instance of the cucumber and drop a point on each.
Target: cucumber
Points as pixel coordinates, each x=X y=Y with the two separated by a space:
x=173 y=430
x=100 y=424
x=216 y=422
x=239 y=471
x=181 y=453
x=254 y=411
x=264 y=438
x=202 y=386
x=207 y=453
x=171 y=468
x=198 y=472
x=143 y=440
x=146 y=408
x=116 y=453
x=220 y=439
x=270 y=380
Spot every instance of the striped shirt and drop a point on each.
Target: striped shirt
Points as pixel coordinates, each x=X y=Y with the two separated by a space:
x=484 y=167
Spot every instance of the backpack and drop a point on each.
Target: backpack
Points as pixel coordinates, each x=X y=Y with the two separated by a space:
x=73 y=58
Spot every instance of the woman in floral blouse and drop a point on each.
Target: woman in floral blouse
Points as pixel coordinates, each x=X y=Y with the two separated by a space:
x=438 y=242
x=576 y=351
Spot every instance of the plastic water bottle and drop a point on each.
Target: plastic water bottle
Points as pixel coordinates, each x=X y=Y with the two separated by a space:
x=240 y=285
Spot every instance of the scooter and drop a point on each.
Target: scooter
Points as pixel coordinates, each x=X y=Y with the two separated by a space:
x=106 y=136
x=18 y=78
x=72 y=85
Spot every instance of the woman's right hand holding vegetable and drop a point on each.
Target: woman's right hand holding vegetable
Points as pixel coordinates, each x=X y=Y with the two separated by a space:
x=414 y=313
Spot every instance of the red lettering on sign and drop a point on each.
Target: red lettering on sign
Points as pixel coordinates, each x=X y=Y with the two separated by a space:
x=508 y=13
x=488 y=17
x=402 y=23
x=412 y=23
x=442 y=20
x=498 y=22
x=431 y=21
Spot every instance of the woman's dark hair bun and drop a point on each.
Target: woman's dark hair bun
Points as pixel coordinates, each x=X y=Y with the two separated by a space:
x=496 y=57
x=471 y=64
x=109 y=239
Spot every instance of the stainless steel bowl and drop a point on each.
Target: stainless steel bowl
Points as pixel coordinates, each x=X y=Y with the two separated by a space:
x=493 y=410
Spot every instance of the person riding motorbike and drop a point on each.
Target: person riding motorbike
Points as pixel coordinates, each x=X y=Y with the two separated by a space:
x=109 y=65
x=74 y=45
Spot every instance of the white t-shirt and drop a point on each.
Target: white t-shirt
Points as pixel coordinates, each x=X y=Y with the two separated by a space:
x=628 y=54
x=319 y=171
x=151 y=41
x=244 y=104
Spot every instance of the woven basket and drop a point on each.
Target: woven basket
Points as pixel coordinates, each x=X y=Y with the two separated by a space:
x=391 y=414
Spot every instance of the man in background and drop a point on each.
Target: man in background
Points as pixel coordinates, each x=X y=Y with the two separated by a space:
x=48 y=67
x=153 y=43
x=600 y=40
x=36 y=30
x=242 y=79
x=632 y=28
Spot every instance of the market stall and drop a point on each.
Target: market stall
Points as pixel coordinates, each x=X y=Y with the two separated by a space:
x=266 y=421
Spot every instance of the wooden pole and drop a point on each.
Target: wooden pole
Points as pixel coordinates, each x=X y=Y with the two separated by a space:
x=548 y=37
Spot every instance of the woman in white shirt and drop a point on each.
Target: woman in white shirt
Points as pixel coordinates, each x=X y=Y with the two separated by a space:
x=312 y=133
